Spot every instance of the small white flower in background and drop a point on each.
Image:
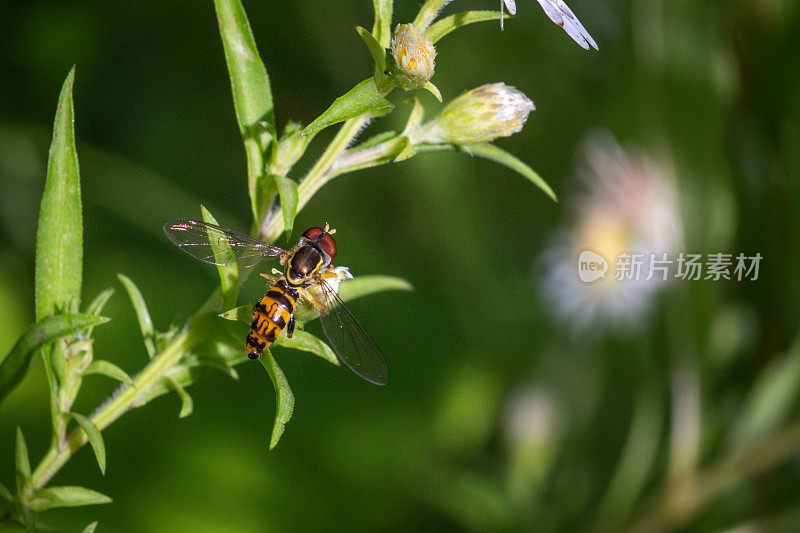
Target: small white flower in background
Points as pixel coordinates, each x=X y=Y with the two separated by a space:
x=630 y=208
x=414 y=56
x=562 y=15
x=481 y=115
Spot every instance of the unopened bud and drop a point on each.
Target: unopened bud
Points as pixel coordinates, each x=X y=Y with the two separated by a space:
x=480 y=115
x=414 y=56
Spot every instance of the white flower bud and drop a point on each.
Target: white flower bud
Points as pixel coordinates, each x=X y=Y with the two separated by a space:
x=480 y=115
x=414 y=56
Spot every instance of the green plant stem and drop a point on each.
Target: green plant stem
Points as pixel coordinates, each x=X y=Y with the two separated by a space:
x=119 y=405
x=317 y=176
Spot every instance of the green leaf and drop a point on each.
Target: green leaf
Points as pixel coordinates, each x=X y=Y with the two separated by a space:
x=95 y=439
x=287 y=189
x=70 y=496
x=428 y=12
x=187 y=405
x=365 y=285
x=22 y=462
x=431 y=88
x=453 y=22
x=15 y=364
x=5 y=493
x=374 y=140
x=59 y=235
x=243 y=313
x=498 y=155
x=90 y=528
x=97 y=305
x=363 y=100
x=416 y=115
x=252 y=97
x=142 y=314
x=378 y=53
x=382 y=28
x=284 y=399
x=99 y=302
x=770 y=402
x=229 y=272
x=109 y=369
x=305 y=341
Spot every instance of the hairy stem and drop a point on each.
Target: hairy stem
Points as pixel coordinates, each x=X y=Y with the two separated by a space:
x=318 y=176
x=119 y=405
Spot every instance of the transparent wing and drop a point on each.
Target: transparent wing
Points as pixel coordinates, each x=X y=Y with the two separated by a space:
x=195 y=237
x=353 y=345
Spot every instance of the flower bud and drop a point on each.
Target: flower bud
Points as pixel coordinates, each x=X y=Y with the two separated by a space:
x=480 y=115
x=414 y=56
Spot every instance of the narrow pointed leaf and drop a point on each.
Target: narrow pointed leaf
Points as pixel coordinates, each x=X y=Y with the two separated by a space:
x=439 y=29
x=284 y=399
x=287 y=190
x=187 y=405
x=365 y=285
x=416 y=116
x=363 y=100
x=382 y=28
x=252 y=97
x=96 y=306
x=498 y=155
x=374 y=140
x=302 y=340
x=14 y=365
x=109 y=369
x=95 y=439
x=377 y=51
x=142 y=314
x=70 y=496
x=22 y=462
x=59 y=235
x=229 y=272
x=770 y=402
x=90 y=528
x=243 y=313
x=428 y=12
x=5 y=493
x=431 y=88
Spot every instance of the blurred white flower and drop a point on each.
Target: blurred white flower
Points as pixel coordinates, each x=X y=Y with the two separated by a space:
x=630 y=207
x=559 y=13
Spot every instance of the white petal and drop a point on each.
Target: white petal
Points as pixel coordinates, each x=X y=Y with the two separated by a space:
x=562 y=15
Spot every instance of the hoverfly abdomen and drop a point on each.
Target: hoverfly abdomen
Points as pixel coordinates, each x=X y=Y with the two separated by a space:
x=270 y=316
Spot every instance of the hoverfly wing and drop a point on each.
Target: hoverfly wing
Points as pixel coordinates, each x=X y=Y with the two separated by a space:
x=353 y=345
x=195 y=238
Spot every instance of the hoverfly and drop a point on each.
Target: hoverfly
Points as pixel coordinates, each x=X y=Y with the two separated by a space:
x=305 y=279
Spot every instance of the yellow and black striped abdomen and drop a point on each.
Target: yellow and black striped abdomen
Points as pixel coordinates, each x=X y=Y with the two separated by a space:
x=270 y=316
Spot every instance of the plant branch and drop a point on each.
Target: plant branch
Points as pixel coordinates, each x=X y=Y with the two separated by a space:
x=111 y=411
x=318 y=176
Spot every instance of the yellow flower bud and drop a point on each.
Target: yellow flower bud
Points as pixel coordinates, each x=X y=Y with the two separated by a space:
x=414 y=56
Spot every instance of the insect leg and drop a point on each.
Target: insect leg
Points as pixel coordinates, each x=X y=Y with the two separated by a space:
x=290 y=327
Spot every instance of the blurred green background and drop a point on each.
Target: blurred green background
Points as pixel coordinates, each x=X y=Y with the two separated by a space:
x=717 y=83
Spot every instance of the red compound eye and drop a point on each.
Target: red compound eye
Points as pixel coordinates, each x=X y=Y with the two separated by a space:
x=325 y=240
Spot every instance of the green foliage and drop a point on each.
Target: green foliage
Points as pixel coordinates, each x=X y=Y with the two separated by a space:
x=284 y=399
x=95 y=439
x=59 y=236
x=70 y=496
x=442 y=27
x=228 y=272
x=364 y=100
x=142 y=314
x=15 y=363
